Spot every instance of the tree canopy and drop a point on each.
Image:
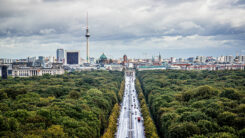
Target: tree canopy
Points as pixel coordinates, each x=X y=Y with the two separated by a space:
x=76 y=104
x=196 y=103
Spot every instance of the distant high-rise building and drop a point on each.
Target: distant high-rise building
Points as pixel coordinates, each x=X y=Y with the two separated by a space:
x=72 y=57
x=31 y=59
x=180 y=60
x=201 y=59
x=160 y=58
x=152 y=59
x=241 y=58
x=229 y=59
x=60 y=55
x=221 y=59
x=172 y=59
x=41 y=60
x=125 y=59
x=4 y=72
x=35 y=62
x=190 y=59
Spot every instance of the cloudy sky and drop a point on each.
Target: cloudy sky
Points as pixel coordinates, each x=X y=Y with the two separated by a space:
x=138 y=28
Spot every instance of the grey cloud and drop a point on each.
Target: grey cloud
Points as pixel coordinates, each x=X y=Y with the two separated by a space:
x=121 y=22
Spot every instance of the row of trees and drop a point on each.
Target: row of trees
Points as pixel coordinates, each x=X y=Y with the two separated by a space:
x=196 y=103
x=121 y=91
x=112 y=127
x=76 y=104
x=150 y=128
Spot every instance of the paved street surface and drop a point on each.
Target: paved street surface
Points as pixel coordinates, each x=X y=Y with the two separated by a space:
x=130 y=121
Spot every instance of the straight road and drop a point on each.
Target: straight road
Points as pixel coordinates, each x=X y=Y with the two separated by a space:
x=130 y=121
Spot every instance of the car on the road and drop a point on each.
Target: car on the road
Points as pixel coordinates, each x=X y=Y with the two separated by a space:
x=139 y=119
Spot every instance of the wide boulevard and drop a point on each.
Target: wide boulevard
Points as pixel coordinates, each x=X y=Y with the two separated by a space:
x=130 y=121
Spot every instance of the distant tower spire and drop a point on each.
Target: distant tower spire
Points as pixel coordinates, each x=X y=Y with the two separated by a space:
x=160 y=57
x=87 y=35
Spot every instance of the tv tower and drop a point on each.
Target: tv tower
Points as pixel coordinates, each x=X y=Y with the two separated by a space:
x=87 y=35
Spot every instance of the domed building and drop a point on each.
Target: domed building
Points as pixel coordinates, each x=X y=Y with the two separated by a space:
x=103 y=59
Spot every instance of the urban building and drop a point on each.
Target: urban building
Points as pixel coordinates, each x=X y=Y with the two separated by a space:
x=72 y=57
x=4 y=71
x=190 y=59
x=229 y=59
x=174 y=67
x=141 y=68
x=113 y=67
x=216 y=67
x=125 y=60
x=159 y=58
x=241 y=59
x=103 y=59
x=172 y=59
x=130 y=65
x=60 y=55
x=92 y=60
x=22 y=70
x=210 y=59
x=6 y=61
x=180 y=60
x=200 y=59
x=221 y=59
x=39 y=62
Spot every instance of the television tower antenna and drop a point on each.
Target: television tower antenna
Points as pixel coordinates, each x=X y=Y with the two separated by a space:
x=87 y=35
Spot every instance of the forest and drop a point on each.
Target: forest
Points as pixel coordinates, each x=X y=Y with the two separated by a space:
x=77 y=104
x=150 y=128
x=196 y=104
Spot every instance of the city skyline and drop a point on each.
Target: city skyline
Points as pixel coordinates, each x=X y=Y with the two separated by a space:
x=137 y=28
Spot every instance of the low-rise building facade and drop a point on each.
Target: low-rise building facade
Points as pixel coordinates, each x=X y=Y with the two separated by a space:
x=25 y=71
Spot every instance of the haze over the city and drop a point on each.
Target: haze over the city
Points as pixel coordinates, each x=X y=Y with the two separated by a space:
x=138 y=28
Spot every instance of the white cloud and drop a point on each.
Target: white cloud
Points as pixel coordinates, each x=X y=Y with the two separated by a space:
x=47 y=31
x=171 y=38
x=122 y=24
x=189 y=25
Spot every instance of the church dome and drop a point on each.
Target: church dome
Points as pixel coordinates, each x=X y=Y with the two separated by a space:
x=103 y=57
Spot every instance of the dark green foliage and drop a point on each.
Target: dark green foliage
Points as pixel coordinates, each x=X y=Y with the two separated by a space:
x=74 y=94
x=231 y=94
x=242 y=133
x=76 y=104
x=226 y=118
x=3 y=95
x=196 y=103
x=183 y=130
